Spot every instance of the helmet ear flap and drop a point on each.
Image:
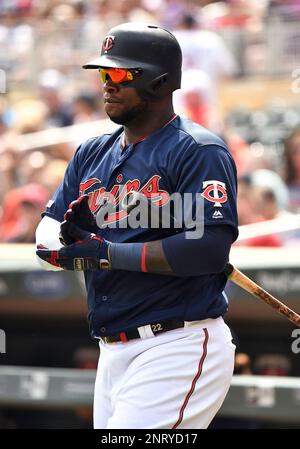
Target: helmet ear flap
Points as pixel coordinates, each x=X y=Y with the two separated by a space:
x=159 y=82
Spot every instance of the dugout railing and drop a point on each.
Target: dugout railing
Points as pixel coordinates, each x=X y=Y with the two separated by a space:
x=268 y=398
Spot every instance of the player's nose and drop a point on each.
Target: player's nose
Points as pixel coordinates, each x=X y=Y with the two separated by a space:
x=110 y=87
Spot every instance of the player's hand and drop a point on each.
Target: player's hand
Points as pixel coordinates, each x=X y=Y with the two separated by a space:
x=80 y=214
x=70 y=233
x=88 y=253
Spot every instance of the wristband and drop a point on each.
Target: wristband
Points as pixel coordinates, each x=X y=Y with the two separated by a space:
x=128 y=256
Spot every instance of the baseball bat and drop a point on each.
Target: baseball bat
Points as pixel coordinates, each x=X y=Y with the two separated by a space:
x=234 y=275
x=254 y=289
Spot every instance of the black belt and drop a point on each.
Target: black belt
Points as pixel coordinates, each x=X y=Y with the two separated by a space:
x=157 y=328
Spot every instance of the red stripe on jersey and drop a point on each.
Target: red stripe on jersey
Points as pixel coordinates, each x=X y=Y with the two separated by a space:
x=143 y=261
x=198 y=374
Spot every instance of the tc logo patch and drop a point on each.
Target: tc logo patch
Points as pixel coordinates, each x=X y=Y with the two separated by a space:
x=211 y=192
x=108 y=43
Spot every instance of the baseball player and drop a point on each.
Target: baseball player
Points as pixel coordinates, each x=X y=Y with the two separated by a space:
x=155 y=298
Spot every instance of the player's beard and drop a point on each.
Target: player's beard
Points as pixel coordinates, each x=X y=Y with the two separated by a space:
x=131 y=115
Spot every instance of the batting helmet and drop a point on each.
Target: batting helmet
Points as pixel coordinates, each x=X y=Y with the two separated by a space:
x=150 y=49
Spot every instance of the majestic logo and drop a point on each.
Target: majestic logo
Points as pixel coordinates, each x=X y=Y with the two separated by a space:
x=217 y=214
x=99 y=195
x=108 y=43
x=211 y=192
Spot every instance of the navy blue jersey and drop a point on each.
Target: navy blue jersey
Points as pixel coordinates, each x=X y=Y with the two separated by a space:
x=181 y=157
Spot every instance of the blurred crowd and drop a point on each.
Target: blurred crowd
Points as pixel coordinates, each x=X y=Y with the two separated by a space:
x=42 y=48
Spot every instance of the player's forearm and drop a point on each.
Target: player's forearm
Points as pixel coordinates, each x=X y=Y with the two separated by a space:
x=156 y=261
x=176 y=255
x=145 y=257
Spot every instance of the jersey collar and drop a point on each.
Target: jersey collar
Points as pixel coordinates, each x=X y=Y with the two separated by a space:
x=123 y=143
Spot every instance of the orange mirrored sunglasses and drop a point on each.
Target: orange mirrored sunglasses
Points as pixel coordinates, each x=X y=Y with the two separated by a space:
x=118 y=75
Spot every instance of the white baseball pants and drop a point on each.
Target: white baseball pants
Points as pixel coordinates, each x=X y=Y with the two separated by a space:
x=174 y=380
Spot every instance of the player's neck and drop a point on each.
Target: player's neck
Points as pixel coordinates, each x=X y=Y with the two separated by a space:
x=153 y=120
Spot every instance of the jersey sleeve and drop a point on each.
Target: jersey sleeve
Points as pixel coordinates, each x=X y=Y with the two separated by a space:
x=209 y=171
x=67 y=192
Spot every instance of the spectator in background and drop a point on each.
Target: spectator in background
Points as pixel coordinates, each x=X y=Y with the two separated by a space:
x=9 y=159
x=242 y=364
x=272 y=193
x=195 y=98
x=3 y=125
x=32 y=166
x=247 y=211
x=206 y=61
x=30 y=115
x=51 y=84
x=240 y=23
x=16 y=36
x=263 y=196
x=52 y=175
x=238 y=147
x=22 y=210
x=268 y=205
x=230 y=13
x=251 y=204
x=204 y=50
x=171 y=12
x=40 y=167
x=291 y=173
x=130 y=11
x=272 y=365
x=285 y=9
x=86 y=108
